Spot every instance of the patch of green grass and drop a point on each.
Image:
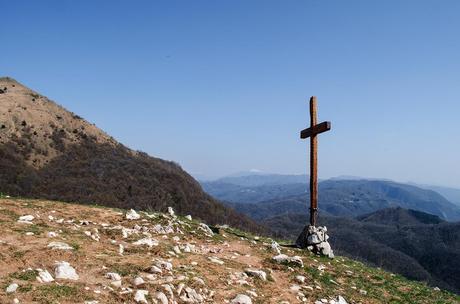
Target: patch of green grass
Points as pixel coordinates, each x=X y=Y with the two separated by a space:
x=25 y=288
x=19 y=254
x=48 y=294
x=28 y=275
x=126 y=269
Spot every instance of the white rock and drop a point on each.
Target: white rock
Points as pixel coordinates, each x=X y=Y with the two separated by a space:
x=44 y=276
x=300 y=279
x=113 y=276
x=275 y=247
x=26 y=219
x=138 y=281
x=283 y=259
x=12 y=288
x=206 y=229
x=121 y=249
x=189 y=217
x=63 y=270
x=171 y=212
x=146 y=241
x=59 y=246
x=256 y=273
x=216 y=260
x=132 y=215
x=161 y=297
x=164 y=265
x=241 y=299
x=340 y=300
x=51 y=234
x=16 y=301
x=139 y=296
x=92 y=302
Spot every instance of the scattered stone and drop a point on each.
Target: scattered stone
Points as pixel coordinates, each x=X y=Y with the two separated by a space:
x=188 y=217
x=363 y=292
x=59 y=246
x=132 y=215
x=206 y=229
x=339 y=300
x=171 y=212
x=146 y=241
x=275 y=247
x=26 y=219
x=138 y=281
x=300 y=279
x=12 y=288
x=161 y=297
x=64 y=271
x=113 y=276
x=44 y=276
x=241 y=299
x=216 y=260
x=51 y=234
x=284 y=259
x=256 y=273
x=139 y=296
x=121 y=249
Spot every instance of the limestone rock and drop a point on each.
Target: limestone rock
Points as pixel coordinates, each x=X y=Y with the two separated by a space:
x=241 y=299
x=44 y=276
x=59 y=246
x=132 y=215
x=161 y=297
x=26 y=219
x=284 y=259
x=12 y=288
x=64 y=271
x=256 y=273
x=171 y=212
x=146 y=241
x=139 y=296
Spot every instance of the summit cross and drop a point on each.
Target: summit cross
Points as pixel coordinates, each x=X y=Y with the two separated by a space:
x=312 y=132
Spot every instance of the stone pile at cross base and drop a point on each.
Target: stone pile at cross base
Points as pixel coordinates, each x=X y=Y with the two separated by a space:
x=315 y=239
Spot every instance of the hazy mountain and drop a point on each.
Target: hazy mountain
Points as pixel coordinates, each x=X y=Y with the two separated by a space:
x=336 y=197
x=452 y=194
x=254 y=180
x=415 y=249
x=48 y=152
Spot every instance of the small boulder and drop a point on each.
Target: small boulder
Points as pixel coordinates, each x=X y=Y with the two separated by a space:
x=139 y=296
x=59 y=246
x=132 y=215
x=256 y=273
x=64 y=271
x=241 y=299
x=12 y=288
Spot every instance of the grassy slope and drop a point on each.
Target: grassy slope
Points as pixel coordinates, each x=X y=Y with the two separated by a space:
x=238 y=250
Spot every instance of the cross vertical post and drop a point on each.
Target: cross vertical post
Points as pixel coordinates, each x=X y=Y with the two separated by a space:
x=312 y=132
x=313 y=165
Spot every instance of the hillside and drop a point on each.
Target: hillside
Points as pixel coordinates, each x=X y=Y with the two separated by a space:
x=416 y=248
x=49 y=152
x=55 y=252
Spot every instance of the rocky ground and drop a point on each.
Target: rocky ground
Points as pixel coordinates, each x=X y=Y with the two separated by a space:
x=53 y=252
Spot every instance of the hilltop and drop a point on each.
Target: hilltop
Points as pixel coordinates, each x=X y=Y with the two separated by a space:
x=55 y=252
x=49 y=152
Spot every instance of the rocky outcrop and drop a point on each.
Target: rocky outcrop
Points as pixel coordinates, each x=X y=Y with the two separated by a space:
x=315 y=239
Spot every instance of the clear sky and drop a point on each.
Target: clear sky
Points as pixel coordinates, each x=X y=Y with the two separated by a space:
x=223 y=86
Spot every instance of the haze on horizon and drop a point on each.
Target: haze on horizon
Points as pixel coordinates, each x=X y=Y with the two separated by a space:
x=222 y=87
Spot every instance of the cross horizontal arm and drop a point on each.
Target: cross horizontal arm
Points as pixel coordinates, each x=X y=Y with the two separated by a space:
x=317 y=129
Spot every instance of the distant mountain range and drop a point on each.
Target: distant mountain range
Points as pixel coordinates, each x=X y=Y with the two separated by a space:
x=265 y=196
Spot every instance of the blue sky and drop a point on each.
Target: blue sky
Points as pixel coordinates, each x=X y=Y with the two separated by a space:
x=223 y=86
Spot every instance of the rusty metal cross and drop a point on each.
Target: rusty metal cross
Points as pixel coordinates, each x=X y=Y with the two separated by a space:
x=312 y=132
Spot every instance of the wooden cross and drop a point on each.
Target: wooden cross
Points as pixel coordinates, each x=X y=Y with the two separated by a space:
x=311 y=132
